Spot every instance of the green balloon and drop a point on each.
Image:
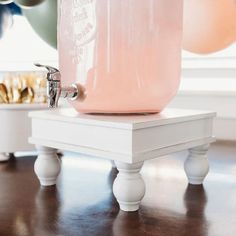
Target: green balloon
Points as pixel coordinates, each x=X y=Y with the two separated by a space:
x=43 y=19
x=27 y=3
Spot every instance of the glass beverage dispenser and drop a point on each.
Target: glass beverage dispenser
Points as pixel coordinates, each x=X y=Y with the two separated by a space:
x=124 y=54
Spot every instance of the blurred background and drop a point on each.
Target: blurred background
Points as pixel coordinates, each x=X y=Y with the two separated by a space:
x=208 y=66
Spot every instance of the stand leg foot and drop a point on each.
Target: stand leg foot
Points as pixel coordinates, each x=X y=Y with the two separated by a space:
x=129 y=187
x=4 y=157
x=47 y=166
x=196 y=165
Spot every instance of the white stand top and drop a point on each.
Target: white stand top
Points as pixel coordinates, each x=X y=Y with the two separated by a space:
x=129 y=140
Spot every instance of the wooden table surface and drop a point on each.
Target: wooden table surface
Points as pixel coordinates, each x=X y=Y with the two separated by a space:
x=82 y=203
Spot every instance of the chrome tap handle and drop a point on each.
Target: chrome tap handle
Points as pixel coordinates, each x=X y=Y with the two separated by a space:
x=53 y=85
x=49 y=68
x=54 y=88
x=53 y=73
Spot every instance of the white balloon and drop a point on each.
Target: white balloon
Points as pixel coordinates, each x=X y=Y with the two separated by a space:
x=5 y=1
x=7 y=21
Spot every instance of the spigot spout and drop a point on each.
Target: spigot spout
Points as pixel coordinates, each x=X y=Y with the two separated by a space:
x=53 y=93
x=54 y=88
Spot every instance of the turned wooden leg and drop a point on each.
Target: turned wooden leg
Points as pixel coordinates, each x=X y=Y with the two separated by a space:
x=4 y=157
x=196 y=165
x=47 y=166
x=129 y=187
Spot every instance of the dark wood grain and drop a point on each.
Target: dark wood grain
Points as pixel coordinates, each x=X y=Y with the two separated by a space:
x=83 y=204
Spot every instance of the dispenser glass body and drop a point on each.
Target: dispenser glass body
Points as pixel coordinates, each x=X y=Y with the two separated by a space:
x=125 y=53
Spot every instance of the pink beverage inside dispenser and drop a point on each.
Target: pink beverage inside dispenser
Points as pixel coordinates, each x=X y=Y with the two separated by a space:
x=125 y=53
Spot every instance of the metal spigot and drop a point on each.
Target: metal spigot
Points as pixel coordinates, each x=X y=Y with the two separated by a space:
x=54 y=88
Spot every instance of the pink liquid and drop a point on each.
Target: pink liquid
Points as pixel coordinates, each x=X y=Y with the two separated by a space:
x=126 y=53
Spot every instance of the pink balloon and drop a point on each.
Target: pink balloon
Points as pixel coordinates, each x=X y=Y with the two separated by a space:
x=209 y=25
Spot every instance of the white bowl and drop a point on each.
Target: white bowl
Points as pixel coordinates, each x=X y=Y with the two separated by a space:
x=15 y=128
